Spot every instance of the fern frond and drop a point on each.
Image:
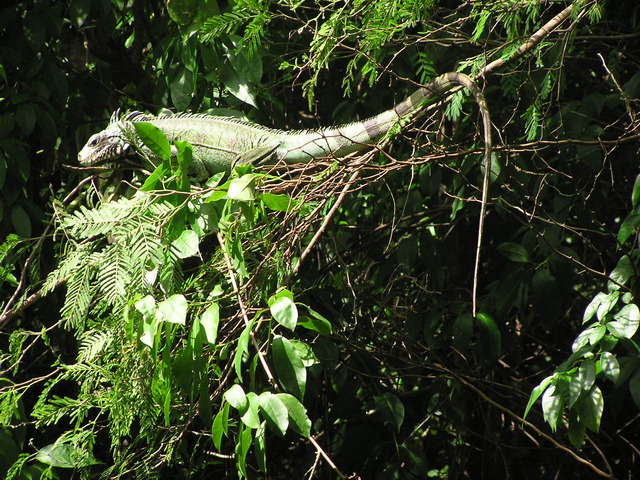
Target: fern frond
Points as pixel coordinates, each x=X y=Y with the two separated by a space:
x=93 y=343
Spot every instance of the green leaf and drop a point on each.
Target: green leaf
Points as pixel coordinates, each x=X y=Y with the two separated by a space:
x=251 y=417
x=621 y=274
x=635 y=194
x=220 y=426
x=209 y=322
x=243 y=348
x=593 y=307
x=242 y=448
x=298 y=419
x=65 y=455
x=278 y=203
x=289 y=366
x=26 y=118
x=316 y=322
x=574 y=385
x=596 y=334
x=283 y=309
x=627 y=320
x=634 y=388
x=539 y=390
x=243 y=189
x=146 y=306
x=391 y=409
x=514 y=252
x=552 y=407
x=186 y=245
x=260 y=447
x=275 y=412
x=181 y=88
x=305 y=351
x=20 y=221
x=153 y=138
x=576 y=431
x=628 y=227
x=610 y=366
x=490 y=336
x=236 y=397
x=587 y=374
x=607 y=302
x=590 y=408
x=173 y=309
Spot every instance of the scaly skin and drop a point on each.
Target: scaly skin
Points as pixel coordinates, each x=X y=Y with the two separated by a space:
x=221 y=142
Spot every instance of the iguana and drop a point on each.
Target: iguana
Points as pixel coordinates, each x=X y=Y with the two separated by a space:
x=219 y=143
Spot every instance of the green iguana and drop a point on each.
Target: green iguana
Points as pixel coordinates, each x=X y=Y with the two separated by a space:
x=219 y=143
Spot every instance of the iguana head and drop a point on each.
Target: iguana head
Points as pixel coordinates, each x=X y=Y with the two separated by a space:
x=109 y=144
x=105 y=146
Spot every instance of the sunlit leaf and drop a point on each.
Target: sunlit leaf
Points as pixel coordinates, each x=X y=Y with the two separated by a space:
x=298 y=419
x=610 y=366
x=187 y=244
x=153 y=138
x=251 y=416
x=236 y=397
x=209 y=321
x=275 y=411
x=243 y=189
x=173 y=309
x=629 y=319
x=220 y=426
x=65 y=455
x=283 y=309
x=552 y=407
x=590 y=408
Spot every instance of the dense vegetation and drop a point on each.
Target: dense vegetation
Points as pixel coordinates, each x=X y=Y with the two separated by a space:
x=317 y=321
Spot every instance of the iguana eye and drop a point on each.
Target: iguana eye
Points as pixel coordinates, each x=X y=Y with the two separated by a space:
x=93 y=141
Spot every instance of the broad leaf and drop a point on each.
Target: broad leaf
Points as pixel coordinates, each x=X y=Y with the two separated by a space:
x=298 y=419
x=590 y=408
x=283 y=309
x=209 y=322
x=173 y=309
x=243 y=189
x=289 y=366
x=187 y=244
x=275 y=412
x=552 y=407
x=236 y=397
x=153 y=138
x=391 y=409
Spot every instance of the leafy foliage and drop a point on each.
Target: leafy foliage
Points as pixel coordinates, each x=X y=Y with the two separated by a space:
x=315 y=321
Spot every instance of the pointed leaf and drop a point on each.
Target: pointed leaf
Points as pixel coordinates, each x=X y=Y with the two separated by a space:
x=153 y=138
x=298 y=419
x=590 y=408
x=289 y=366
x=243 y=189
x=275 y=411
x=391 y=408
x=552 y=407
x=209 y=322
x=220 y=426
